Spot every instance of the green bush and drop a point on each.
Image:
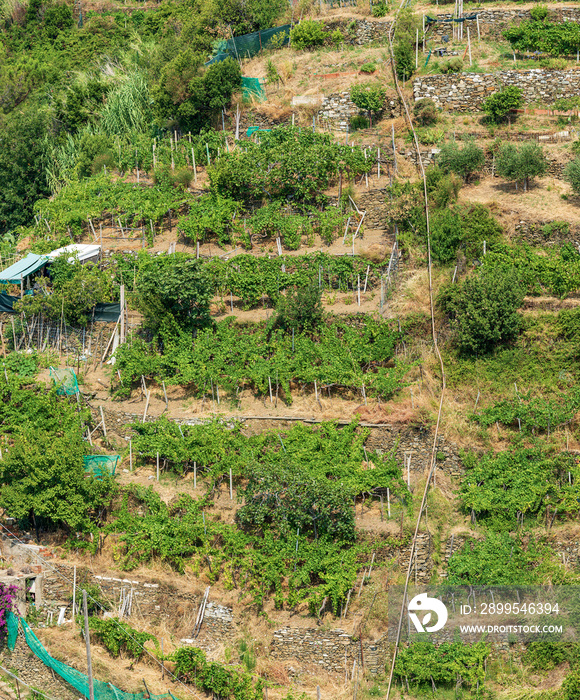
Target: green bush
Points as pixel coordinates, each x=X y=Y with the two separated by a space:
x=452 y=65
x=337 y=37
x=498 y=560
x=359 y=121
x=521 y=162
x=498 y=105
x=425 y=111
x=572 y=175
x=484 y=310
x=571 y=686
x=545 y=654
x=461 y=161
x=370 y=97
x=380 y=9
x=300 y=310
x=368 y=67
x=307 y=34
x=404 y=59
x=539 y=13
x=443 y=189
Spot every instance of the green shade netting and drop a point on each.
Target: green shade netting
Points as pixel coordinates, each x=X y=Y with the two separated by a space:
x=12 y=629
x=78 y=680
x=252 y=87
x=20 y=270
x=65 y=380
x=249 y=45
x=101 y=464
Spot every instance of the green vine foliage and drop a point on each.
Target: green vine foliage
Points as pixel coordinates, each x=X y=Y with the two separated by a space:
x=119 y=637
x=554 y=271
x=257 y=280
x=99 y=195
x=498 y=560
x=294 y=536
x=191 y=666
x=556 y=39
x=531 y=415
x=232 y=357
x=290 y=164
x=503 y=489
x=424 y=664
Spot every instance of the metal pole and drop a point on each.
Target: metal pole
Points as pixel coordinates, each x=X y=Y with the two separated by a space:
x=88 y=643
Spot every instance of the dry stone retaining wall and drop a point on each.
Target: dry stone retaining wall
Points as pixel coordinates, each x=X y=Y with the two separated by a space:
x=333 y=650
x=466 y=92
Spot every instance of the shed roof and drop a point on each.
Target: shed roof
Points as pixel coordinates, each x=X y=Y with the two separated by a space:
x=21 y=269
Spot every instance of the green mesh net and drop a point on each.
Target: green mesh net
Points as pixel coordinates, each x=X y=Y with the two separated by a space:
x=101 y=464
x=12 y=629
x=249 y=45
x=65 y=381
x=78 y=680
x=252 y=87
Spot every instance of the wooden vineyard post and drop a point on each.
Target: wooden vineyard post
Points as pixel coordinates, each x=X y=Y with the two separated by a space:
x=88 y=646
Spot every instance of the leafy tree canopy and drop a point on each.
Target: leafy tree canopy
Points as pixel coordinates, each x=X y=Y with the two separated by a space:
x=483 y=310
x=174 y=289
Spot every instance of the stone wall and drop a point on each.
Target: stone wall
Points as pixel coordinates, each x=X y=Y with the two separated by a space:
x=465 y=92
x=158 y=601
x=337 y=109
x=334 y=650
x=30 y=669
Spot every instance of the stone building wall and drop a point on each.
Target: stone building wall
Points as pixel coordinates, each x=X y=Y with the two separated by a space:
x=466 y=92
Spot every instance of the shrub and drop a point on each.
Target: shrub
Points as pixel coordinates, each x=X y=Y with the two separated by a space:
x=521 y=163
x=545 y=654
x=572 y=174
x=337 y=37
x=369 y=96
x=571 y=686
x=368 y=67
x=102 y=161
x=404 y=60
x=461 y=161
x=498 y=105
x=442 y=188
x=452 y=65
x=539 y=13
x=380 y=9
x=484 y=310
x=359 y=121
x=301 y=309
x=272 y=75
x=183 y=177
x=307 y=34
x=425 y=111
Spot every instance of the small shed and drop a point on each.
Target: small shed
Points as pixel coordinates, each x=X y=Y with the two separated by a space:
x=19 y=271
x=83 y=252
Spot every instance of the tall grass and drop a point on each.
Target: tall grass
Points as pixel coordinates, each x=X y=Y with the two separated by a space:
x=128 y=107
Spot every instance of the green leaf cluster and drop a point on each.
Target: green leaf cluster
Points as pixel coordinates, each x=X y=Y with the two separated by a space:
x=484 y=310
x=503 y=489
x=424 y=663
x=555 y=270
x=554 y=38
x=119 y=637
x=192 y=667
x=235 y=356
x=497 y=560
